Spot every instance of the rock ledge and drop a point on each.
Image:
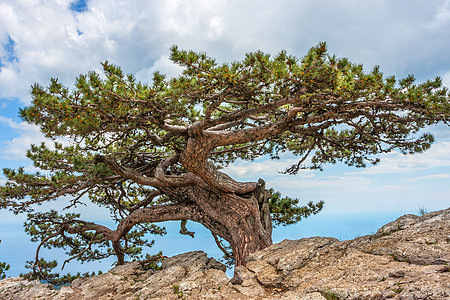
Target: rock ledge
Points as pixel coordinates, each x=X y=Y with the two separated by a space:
x=406 y=259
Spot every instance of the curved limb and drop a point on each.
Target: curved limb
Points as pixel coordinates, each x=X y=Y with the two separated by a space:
x=227 y=254
x=159 y=181
x=184 y=230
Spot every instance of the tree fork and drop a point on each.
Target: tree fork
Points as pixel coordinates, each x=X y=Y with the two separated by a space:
x=245 y=219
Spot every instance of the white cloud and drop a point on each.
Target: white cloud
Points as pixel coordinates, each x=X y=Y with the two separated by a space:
x=137 y=34
x=441 y=17
x=337 y=184
x=352 y=194
x=428 y=177
x=437 y=156
x=446 y=79
x=216 y=27
x=16 y=148
x=264 y=167
x=164 y=65
x=399 y=182
x=391 y=163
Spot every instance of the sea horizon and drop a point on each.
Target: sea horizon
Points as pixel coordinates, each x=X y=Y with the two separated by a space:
x=16 y=247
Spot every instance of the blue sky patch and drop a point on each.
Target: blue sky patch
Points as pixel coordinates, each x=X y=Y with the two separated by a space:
x=10 y=53
x=9 y=108
x=79 y=6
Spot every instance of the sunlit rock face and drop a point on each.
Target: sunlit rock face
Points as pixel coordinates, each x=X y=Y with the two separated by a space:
x=405 y=259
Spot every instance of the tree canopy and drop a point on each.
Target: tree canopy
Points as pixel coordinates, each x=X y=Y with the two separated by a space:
x=156 y=152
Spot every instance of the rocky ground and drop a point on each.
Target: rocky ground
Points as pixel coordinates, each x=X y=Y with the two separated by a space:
x=406 y=259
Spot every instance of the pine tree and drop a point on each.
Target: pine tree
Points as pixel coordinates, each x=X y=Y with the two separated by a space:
x=156 y=152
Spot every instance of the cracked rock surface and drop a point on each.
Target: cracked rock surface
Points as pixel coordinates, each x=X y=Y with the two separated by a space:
x=406 y=259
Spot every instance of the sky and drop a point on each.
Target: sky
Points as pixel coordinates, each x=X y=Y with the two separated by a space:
x=41 y=39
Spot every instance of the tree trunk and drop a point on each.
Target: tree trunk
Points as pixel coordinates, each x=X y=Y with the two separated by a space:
x=242 y=220
x=250 y=228
x=236 y=211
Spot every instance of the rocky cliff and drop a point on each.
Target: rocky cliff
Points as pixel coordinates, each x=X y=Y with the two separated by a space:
x=406 y=259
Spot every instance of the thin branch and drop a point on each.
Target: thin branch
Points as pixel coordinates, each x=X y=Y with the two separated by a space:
x=184 y=231
x=221 y=247
x=161 y=182
x=237 y=148
x=45 y=240
x=146 y=201
x=294 y=168
x=209 y=110
x=84 y=250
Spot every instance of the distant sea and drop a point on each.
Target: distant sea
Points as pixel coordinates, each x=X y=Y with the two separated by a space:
x=16 y=248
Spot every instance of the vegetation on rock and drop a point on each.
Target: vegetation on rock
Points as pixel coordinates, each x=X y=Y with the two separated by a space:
x=3 y=268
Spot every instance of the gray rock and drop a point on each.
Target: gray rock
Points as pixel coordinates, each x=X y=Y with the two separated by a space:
x=19 y=288
x=193 y=261
x=406 y=259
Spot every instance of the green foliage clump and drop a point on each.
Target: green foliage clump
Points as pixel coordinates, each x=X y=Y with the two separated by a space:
x=42 y=270
x=3 y=268
x=285 y=211
x=152 y=262
x=422 y=211
x=176 y=291
x=329 y=295
x=81 y=239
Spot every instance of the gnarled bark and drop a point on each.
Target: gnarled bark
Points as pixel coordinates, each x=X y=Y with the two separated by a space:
x=241 y=219
x=236 y=211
